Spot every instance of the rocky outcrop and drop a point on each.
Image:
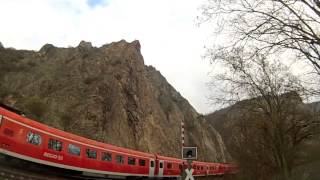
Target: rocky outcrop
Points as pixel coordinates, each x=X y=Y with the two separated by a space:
x=106 y=94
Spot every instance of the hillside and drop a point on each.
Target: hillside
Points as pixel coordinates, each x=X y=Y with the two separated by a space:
x=107 y=94
x=250 y=136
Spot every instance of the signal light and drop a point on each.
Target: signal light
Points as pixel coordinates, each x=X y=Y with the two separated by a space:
x=189 y=152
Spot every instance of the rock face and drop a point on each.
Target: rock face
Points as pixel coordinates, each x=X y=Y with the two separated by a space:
x=106 y=94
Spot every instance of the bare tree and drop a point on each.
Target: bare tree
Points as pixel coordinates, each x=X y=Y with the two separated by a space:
x=253 y=39
x=268 y=129
x=269 y=27
x=249 y=78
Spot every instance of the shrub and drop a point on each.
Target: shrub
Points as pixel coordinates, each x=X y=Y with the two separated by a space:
x=36 y=106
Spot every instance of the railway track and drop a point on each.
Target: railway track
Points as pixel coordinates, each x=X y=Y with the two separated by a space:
x=18 y=174
x=17 y=169
x=9 y=173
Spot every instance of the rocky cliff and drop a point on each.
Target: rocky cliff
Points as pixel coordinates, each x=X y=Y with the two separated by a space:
x=106 y=94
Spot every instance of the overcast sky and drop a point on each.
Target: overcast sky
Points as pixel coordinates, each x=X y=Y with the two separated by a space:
x=170 y=39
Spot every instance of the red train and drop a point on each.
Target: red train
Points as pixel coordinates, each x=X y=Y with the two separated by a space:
x=29 y=140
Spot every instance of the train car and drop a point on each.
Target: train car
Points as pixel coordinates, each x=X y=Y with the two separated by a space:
x=168 y=166
x=231 y=169
x=200 y=168
x=29 y=140
x=32 y=141
x=213 y=168
x=221 y=169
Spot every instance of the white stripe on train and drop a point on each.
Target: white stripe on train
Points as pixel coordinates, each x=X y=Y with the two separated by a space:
x=64 y=166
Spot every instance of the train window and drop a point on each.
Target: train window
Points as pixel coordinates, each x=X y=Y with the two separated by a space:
x=201 y=167
x=91 y=153
x=169 y=165
x=131 y=161
x=33 y=138
x=120 y=159
x=73 y=149
x=152 y=164
x=161 y=164
x=106 y=156
x=55 y=144
x=198 y=167
x=142 y=162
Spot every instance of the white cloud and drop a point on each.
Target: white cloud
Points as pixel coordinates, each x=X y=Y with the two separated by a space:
x=166 y=29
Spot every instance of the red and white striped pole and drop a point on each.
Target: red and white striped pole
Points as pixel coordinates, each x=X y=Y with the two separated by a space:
x=182 y=133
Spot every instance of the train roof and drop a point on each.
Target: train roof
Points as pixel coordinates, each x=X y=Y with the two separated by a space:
x=172 y=159
x=12 y=109
x=206 y=163
x=70 y=136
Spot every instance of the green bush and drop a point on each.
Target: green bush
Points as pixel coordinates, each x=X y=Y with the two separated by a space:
x=36 y=106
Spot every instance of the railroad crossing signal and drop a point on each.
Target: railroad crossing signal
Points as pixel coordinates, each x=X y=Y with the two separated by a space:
x=189 y=174
x=189 y=152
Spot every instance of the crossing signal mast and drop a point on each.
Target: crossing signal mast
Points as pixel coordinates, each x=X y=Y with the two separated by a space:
x=189 y=154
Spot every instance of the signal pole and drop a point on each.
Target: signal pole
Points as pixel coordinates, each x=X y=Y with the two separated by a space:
x=182 y=134
x=189 y=154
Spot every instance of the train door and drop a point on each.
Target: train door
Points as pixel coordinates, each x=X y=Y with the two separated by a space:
x=161 y=165
x=151 y=168
x=1 y=120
